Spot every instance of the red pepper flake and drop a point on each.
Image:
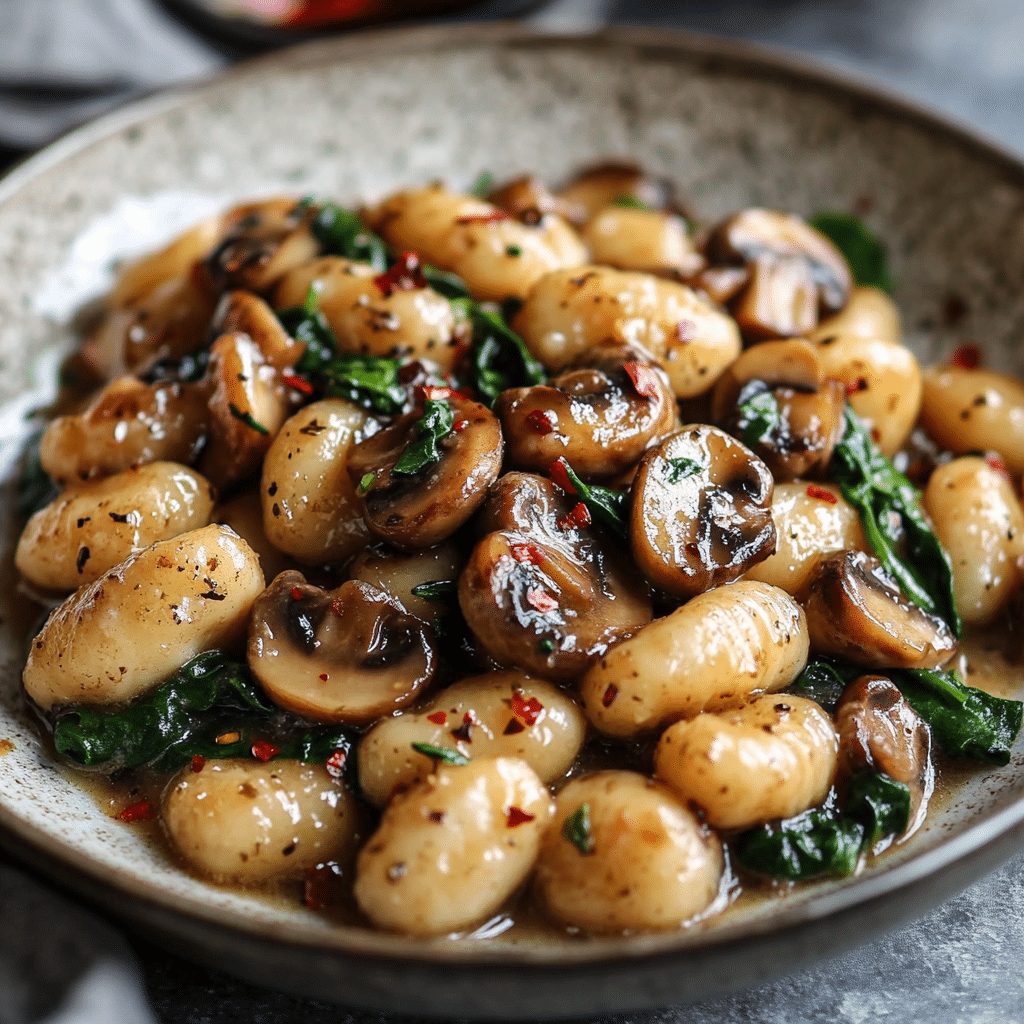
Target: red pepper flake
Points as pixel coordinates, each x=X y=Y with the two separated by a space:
x=644 y=379
x=264 y=751
x=405 y=276
x=558 y=474
x=968 y=357
x=296 y=594
x=814 y=491
x=609 y=695
x=578 y=518
x=994 y=462
x=464 y=731
x=514 y=726
x=876 y=435
x=541 y=600
x=142 y=811
x=460 y=424
x=323 y=886
x=431 y=393
x=438 y=718
x=517 y=816
x=324 y=677
x=298 y=383
x=860 y=384
x=198 y=763
x=338 y=608
x=335 y=764
x=528 y=710
x=540 y=421
x=483 y=218
x=527 y=554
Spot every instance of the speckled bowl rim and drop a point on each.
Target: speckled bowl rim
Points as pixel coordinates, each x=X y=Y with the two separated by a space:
x=828 y=924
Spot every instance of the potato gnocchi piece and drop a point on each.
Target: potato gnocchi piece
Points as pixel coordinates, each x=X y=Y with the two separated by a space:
x=500 y=714
x=773 y=758
x=969 y=410
x=650 y=241
x=310 y=510
x=118 y=637
x=715 y=652
x=244 y=821
x=92 y=526
x=623 y=853
x=497 y=256
x=454 y=847
x=811 y=520
x=979 y=521
x=569 y=311
x=372 y=320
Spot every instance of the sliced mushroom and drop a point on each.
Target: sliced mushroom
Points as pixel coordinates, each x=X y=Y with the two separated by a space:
x=245 y=313
x=544 y=592
x=248 y=406
x=261 y=242
x=346 y=655
x=810 y=420
x=855 y=611
x=167 y=323
x=417 y=510
x=796 y=273
x=701 y=513
x=599 y=186
x=601 y=414
x=527 y=199
x=880 y=732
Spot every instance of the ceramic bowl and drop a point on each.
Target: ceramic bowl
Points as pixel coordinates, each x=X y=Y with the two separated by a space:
x=354 y=117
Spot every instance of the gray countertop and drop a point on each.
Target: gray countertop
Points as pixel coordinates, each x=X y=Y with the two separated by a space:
x=958 y=965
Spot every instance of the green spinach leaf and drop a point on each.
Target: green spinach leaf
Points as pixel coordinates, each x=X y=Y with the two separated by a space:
x=863 y=251
x=35 y=488
x=499 y=358
x=890 y=512
x=425 y=448
x=341 y=233
x=369 y=381
x=605 y=505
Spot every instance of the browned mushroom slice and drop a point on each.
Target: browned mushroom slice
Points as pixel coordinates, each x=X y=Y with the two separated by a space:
x=720 y=284
x=701 y=513
x=169 y=322
x=601 y=414
x=415 y=508
x=880 y=732
x=855 y=611
x=542 y=590
x=810 y=421
x=346 y=655
x=597 y=187
x=245 y=313
x=261 y=242
x=780 y=300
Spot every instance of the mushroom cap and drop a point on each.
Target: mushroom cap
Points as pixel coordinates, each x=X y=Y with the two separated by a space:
x=346 y=655
x=420 y=510
x=855 y=611
x=601 y=413
x=701 y=513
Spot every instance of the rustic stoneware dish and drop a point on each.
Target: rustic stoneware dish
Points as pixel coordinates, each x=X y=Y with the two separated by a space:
x=352 y=118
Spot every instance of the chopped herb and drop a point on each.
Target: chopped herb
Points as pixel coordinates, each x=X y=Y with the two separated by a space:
x=247 y=419
x=424 y=449
x=437 y=590
x=824 y=841
x=341 y=233
x=860 y=246
x=759 y=414
x=312 y=329
x=514 y=250
x=547 y=646
x=577 y=830
x=369 y=381
x=365 y=483
x=445 y=283
x=628 y=202
x=440 y=754
x=604 y=504
x=499 y=358
x=483 y=185
x=680 y=469
x=890 y=512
